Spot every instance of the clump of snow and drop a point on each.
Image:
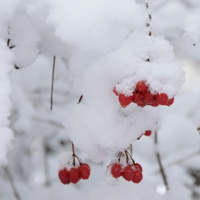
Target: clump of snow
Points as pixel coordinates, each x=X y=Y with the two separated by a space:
x=99 y=125
x=95 y=26
x=163 y=74
x=192 y=25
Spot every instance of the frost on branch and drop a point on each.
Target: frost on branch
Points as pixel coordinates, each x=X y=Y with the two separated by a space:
x=192 y=25
x=6 y=134
x=99 y=125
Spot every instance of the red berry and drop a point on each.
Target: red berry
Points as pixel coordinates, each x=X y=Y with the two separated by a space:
x=148 y=133
x=162 y=98
x=142 y=103
x=74 y=175
x=84 y=170
x=170 y=102
x=148 y=97
x=128 y=173
x=65 y=182
x=136 y=97
x=137 y=176
x=138 y=166
x=116 y=170
x=115 y=91
x=63 y=174
x=124 y=100
x=154 y=103
x=141 y=87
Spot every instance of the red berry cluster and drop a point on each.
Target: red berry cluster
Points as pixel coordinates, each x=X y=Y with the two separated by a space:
x=70 y=173
x=130 y=172
x=142 y=97
x=74 y=174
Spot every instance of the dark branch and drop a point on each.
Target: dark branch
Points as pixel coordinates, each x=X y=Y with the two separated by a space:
x=80 y=99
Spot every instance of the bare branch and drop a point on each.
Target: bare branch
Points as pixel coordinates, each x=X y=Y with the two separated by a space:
x=80 y=99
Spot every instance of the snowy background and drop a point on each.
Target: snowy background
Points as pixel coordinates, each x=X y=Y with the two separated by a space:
x=97 y=45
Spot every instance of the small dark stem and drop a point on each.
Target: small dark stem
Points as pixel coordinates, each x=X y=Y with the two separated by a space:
x=73 y=154
x=12 y=183
x=52 y=82
x=131 y=149
x=130 y=156
x=119 y=156
x=160 y=163
x=126 y=156
x=80 y=99
x=8 y=42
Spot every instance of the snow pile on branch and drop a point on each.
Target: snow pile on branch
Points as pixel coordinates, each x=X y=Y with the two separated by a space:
x=98 y=26
x=99 y=125
x=192 y=25
x=7 y=9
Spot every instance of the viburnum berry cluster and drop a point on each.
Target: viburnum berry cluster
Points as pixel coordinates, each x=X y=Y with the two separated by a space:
x=129 y=170
x=143 y=97
x=73 y=172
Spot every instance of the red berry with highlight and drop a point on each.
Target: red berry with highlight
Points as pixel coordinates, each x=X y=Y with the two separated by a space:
x=137 y=176
x=116 y=170
x=148 y=97
x=125 y=100
x=128 y=173
x=138 y=166
x=162 y=98
x=136 y=97
x=74 y=175
x=141 y=87
x=84 y=170
x=63 y=174
x=148 y=133
x=142 y=103
x=170 y=102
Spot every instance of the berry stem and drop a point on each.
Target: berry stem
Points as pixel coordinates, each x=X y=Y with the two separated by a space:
x=119 y=156
x=130 y=156
x=73 y=154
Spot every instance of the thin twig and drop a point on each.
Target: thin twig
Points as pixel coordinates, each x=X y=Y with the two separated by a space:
x=52 y=82
x=80 y=99
x=12 y=183
x=8 y=42
x=73 y=154
x=131 y=149
x=160 y=163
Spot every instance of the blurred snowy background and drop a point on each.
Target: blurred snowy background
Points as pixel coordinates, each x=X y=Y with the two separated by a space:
x=78 y=33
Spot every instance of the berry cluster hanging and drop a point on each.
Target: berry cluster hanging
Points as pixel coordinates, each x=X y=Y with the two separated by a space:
x=71 y=171
x=127 y=168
